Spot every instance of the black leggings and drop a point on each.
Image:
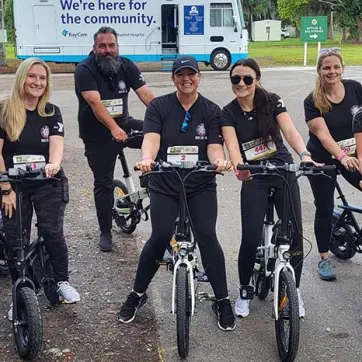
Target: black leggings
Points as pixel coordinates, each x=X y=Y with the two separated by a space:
x=164 y=211
x=323 y=192
x=102 y=156
x=254 y=199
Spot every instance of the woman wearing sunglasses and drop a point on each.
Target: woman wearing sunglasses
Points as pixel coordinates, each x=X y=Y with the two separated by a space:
x=251 y=126
x=182 y=118
x=329 y=111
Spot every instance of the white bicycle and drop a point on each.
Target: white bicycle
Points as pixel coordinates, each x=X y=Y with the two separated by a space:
x=272 y=269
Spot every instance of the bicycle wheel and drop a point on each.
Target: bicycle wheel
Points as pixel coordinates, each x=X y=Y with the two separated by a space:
x=183 y=311
x=341 y=243
x=287 y=325
x=28 y=328
x=125 y=222
x=262 y=286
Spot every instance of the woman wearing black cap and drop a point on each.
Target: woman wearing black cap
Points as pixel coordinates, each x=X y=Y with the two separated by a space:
x=182 y=118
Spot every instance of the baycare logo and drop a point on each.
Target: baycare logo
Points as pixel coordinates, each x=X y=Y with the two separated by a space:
x=70 y=34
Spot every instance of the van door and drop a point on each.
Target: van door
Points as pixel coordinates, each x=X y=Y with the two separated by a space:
x=45 y=30
x=170 y=29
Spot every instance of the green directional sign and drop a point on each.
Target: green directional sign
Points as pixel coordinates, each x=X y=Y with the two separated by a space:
x=313 y=29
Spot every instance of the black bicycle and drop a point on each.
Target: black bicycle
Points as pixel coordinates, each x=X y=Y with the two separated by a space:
x=272 y=269
x=4 y=266
x=346 y=236
x=35 y=272
x=128 y=208
x=182 y=248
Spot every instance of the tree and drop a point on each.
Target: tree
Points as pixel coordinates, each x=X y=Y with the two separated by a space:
x=348 y=12
x=9 y=19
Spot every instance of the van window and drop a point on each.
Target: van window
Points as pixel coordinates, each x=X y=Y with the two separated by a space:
x=221 y=14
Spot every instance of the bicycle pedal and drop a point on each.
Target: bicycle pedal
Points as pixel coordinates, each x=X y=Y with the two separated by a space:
x=203 y=296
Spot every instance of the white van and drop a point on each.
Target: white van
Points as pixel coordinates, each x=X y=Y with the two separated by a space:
x=148 y=31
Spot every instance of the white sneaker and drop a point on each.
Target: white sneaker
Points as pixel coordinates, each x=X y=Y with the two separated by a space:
x=242 y=307
x=10 y=313
x=301 y=304
x=67 y=293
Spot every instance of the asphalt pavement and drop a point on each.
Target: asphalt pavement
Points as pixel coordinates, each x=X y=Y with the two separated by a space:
x=332 y=328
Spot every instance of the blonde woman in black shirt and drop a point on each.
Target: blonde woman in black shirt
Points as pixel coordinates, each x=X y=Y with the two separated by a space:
x=30 y=125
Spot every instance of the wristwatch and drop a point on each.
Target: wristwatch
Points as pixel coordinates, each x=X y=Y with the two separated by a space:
x=7 y=191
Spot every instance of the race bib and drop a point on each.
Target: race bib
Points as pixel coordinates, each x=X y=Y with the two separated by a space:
x=257 y=150
x=348 y=146
x=187 y=156
x=29 y=162
x=114 y=106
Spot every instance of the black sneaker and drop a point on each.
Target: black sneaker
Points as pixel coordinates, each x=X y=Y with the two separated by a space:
x=131 y=305
x=105 y=241
x=225 y=315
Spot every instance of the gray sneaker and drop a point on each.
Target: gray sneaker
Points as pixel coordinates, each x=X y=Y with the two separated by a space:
x=325 y=270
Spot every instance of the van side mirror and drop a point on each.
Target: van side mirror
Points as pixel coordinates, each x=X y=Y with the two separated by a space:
x=235 y=22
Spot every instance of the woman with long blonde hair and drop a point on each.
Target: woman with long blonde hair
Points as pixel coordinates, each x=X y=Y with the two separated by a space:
x=329 y=111
x=32 y=128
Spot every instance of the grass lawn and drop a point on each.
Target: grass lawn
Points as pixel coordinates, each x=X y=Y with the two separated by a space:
x=288 y=52
x=291 y=52
x=10 y=52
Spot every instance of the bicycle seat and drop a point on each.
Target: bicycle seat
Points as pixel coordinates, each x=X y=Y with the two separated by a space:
x=350 y=207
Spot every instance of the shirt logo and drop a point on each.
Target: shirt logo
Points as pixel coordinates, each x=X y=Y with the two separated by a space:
x=60 y=127
x=142 y=78
x=44 y=133
x=122 y=87
x=355 y=109
x=200 y=132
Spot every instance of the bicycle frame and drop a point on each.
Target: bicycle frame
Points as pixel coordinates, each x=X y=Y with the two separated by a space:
x=184 y=248
x=276 y=251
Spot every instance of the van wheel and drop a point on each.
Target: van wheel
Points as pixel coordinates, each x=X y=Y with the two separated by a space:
x=220 y=60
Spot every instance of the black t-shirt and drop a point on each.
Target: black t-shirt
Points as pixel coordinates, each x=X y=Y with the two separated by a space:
x=113 y=91
x=338 y=119
x=251 y=145
x=164 y=116
x=34 y=139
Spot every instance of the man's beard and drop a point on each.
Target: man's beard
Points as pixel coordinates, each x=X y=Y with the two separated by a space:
x=108 y=66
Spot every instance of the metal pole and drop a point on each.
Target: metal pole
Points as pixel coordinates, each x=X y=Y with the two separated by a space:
x=305 y=53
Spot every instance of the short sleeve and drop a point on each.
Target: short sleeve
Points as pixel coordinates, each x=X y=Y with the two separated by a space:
x=56 y=126
x=84 y=80
x=310 y=110
x=153 y=118
x=134 y=76
x=357 y=121
x=213 y=128
x=226 y=118
x=279 y=105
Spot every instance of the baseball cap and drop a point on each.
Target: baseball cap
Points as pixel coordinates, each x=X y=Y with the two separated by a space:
x=185 y=61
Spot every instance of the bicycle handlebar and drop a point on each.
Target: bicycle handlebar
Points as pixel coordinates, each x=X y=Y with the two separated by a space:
x=306 y=168
x=17 y=174
x=162 y=166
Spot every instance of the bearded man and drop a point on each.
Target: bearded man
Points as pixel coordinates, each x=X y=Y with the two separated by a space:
x=102 y=83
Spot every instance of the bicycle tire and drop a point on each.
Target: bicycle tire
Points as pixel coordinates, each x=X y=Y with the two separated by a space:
x=127 y=226
x=262 y=286
x=183 y=311
x=341 y=245
x=287 y=340
x=28 y=329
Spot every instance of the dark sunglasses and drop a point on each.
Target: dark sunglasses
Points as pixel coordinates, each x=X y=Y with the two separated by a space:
x=247 y=79
x=185 y=123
